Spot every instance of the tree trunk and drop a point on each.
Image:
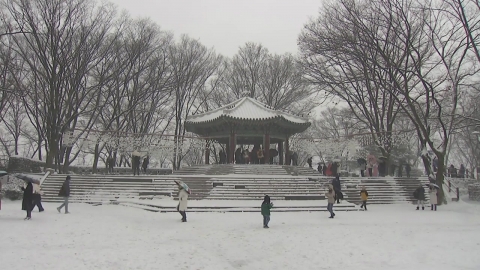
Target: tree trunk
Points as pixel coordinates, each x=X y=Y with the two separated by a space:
x=66 y=159
x=96 y=156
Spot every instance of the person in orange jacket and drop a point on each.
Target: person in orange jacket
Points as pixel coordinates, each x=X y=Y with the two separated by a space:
x=364 y=197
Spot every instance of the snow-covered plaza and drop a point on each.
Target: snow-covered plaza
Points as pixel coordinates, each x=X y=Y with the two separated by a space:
x=118 y=237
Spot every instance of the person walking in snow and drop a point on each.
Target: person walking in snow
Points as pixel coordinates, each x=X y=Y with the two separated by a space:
x=265 y=209
x=330 y=195
x=37 y=198
x=364 y=197
x=27 y=200
x=433 y=198
x=419 y=195
x=182 y=201
x=65 y=193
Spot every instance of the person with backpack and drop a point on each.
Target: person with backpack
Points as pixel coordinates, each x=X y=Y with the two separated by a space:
x=65 y=193
x=265 y=209
x=364 y=197
x=419 y=195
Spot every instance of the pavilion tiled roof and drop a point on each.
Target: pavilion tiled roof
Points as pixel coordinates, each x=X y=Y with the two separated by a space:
x=245 y=109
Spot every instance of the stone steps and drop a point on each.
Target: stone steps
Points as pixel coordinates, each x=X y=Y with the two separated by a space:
x=243 y=186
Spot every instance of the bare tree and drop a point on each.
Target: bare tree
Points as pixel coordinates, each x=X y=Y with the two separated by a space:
x=192 y=66
x=337 y=59
x=60 y=43
x=432 y=73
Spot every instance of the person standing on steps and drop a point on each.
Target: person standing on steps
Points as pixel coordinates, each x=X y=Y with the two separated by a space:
x=65 y=193
x=408 y=169
x=27 y=200
x=433 y=198
x=136 y=165
x=182 y=201
x=330 y=195
x=145 y=163
x=309 y=161
x=37 y=198
x=419 y=195
x=265 y=209
x=364 y=197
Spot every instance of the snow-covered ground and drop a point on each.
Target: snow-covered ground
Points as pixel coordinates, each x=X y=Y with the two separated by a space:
x=117 y=237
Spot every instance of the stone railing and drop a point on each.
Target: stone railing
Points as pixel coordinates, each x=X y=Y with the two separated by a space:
x=474 y=192
x=25 y=165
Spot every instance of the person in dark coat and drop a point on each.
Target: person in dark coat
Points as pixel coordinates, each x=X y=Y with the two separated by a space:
x=65 y=193
x=27 y=200
x=309 y=161
x=136 y=165
x=265 y=209
x=408 y=169
x=145 y=163
x=419 y=195
x=461 y=171
x=337 y=187
x=112 y=165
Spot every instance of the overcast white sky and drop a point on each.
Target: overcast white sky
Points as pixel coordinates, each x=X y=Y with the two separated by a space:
x=227 y=25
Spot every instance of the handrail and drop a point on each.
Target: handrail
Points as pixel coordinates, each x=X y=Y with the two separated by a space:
x=455 y=189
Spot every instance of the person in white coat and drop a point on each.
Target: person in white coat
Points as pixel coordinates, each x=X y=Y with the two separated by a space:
x=182 y=202
x=433 y=192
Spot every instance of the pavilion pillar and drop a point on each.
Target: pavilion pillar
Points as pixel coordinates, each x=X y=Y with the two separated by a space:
x=232 y=142
x=266 y=147
x=207 y=152
x=280 y=153
x=287 y=150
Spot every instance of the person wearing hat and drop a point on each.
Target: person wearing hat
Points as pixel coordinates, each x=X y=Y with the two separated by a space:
x=65 y=193
x=330 y=195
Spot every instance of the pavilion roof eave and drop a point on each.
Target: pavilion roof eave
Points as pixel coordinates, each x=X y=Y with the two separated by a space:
x=223 y=119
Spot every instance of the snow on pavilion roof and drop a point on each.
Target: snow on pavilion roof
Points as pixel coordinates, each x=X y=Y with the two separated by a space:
x=245 y=109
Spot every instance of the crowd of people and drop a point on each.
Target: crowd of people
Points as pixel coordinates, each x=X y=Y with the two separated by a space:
x=32 y=196
x=462 y=172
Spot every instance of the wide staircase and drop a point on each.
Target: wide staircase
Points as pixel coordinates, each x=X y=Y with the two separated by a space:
x=231 y=183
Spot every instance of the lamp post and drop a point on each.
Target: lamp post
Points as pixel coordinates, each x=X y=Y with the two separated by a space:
x=477 y=134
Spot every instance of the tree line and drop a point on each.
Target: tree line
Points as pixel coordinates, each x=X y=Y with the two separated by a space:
x=391 y=60
x=82 y=65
